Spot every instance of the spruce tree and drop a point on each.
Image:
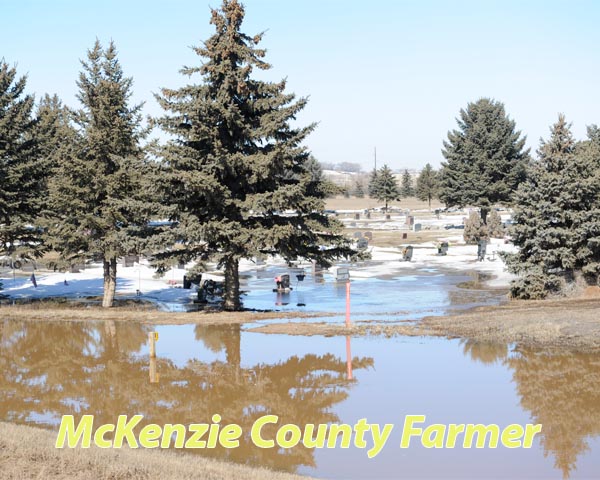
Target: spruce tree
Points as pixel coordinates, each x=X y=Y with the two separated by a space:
x=373 y=185
x=494 y=225
x=557 y=216
x=22 y=173
x=236 y=164
x=474 y=230
x=485 y=158
x=359 y=189
x=427 y=185
x=386 y=189
x=97 y=204
x=593 y=133
x=408 y=189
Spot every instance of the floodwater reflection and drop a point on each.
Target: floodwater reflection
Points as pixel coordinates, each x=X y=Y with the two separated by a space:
x=561 y=392
x=52 y=369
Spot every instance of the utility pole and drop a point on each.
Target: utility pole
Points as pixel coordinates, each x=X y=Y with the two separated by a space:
x=375 y=156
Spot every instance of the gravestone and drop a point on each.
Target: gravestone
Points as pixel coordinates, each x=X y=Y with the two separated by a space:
x=342 y=274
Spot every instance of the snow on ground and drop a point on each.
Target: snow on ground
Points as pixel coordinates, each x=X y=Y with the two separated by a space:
x=89 y=283
x=386 y=263
x=460 y=257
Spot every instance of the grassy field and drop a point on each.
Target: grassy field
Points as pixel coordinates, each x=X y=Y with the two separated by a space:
x=29 y=453
x=353 y=203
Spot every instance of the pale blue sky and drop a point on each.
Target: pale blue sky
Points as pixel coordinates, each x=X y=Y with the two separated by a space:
x=391 y=74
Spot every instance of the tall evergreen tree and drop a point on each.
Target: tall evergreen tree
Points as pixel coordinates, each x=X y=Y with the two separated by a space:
x=22 y=173
x=53 y=131
x=485 y=158
x=593 y=133
x=427 y=185
x=373 y=185
x=407 y=189
x=557 y=215
x=386 y=189
x=236 y=164
x=97 y=204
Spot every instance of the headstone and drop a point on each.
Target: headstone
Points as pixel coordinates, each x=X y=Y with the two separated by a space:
x=410 y=220
x=285 y=281
x=404 y=236
x=317 y=272
x=368 y=215
x=130 y=260
x=443 y=248
x=407 y=253
x=368 y=235
x=362 y=244
x=357 y=235
x=342 y=274
x=388 y=216
x=417 y=227
x=357 y=216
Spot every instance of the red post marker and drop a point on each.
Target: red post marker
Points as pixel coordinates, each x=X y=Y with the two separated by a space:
x=348 y=304
x=348 y=359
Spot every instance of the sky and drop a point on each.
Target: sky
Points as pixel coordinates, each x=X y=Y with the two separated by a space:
x=384 y=74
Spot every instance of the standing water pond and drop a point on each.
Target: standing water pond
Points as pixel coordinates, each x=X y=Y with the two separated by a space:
x=53 y=368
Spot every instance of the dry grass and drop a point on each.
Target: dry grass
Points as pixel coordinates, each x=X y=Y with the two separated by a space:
x=565 y=325
x=571 y=325
x=29 y=453
x=45 y=312
x=353 y=203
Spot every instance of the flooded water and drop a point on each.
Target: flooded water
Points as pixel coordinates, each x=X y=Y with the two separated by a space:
x=412 y=295
x=51 y=369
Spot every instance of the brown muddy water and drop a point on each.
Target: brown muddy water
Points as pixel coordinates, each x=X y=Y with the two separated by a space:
x=49 y=369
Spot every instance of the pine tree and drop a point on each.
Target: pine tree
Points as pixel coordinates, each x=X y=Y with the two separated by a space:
x=237 y=164
x=97 y=204
x=53 y=131
x=386 y=187
x=474 y=230
x=485 y=158
x=408 y=189
x=593 y=133
x=557 y=217
x=359 y=189
x=427 y=185
x=22 y=173
x=494 y=225
x=373 y=185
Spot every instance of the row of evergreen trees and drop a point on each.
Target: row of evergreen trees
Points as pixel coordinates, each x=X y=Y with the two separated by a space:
x=87 y=182
x=384 y=187
x=555 y=197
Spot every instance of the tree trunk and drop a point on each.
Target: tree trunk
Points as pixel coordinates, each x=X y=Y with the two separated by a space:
x=483 y=212
x=110 y=282
x=231 y=296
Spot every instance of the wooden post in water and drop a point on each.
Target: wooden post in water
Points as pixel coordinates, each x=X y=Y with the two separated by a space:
x=152 y=339
x=348 y=359
x=348 y=303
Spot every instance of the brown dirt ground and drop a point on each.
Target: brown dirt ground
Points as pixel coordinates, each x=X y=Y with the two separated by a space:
x=28 y=453
x=560 y=325
x=48 y=312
